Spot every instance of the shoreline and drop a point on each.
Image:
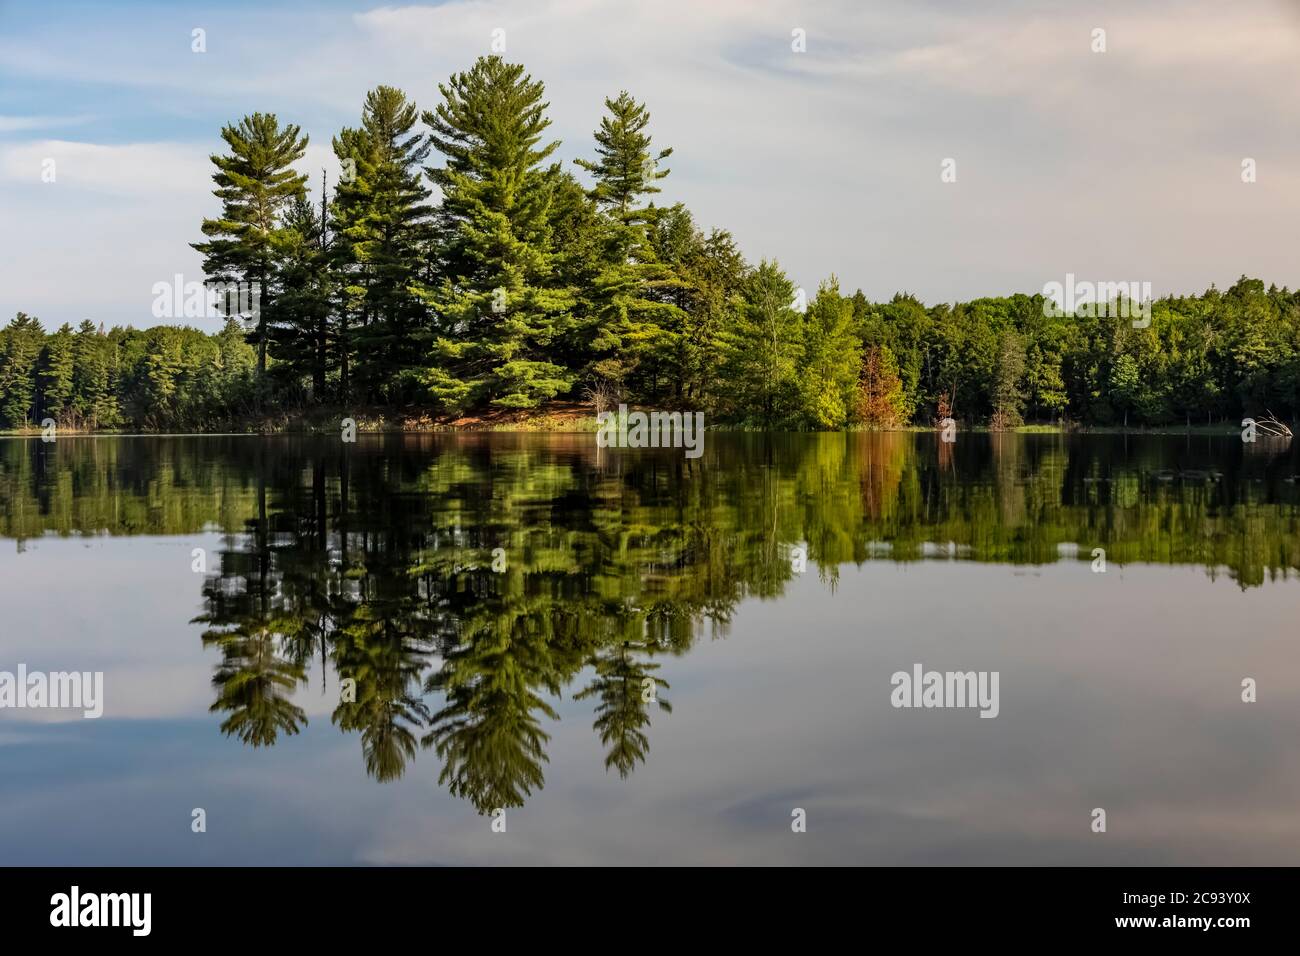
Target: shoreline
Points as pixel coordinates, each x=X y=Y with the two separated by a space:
x=569 y=428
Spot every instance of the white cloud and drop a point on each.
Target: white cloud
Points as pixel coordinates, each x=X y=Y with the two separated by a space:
x=13 y=124
x=135 y=169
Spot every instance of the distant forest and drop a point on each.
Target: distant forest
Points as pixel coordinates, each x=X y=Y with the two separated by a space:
x=456 y=267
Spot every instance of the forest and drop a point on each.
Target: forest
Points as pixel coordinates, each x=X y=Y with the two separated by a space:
x=456 y=267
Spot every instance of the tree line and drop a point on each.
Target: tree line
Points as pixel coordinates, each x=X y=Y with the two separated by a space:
x=165 y=378
x=456 y=266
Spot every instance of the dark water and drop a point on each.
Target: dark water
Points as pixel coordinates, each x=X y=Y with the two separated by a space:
x=646 y=676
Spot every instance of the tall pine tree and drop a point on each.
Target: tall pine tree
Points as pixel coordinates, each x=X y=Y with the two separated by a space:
x=93 y=399
x=56 y=374
x=629 y=314
x=625 y=167
x=382 y=228
x=255 y=183
x=20 y=353
x=302 y=329
x=498 y=308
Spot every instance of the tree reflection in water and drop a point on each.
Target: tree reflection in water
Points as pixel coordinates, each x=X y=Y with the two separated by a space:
x=371 y=564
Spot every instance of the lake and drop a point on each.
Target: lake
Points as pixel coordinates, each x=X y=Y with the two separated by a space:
x=514 y=648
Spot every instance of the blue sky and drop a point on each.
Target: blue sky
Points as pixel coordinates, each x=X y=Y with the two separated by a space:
x=1114 y=166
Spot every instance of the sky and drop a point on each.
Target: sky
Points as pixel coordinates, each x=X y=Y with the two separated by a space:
x=1122 y=165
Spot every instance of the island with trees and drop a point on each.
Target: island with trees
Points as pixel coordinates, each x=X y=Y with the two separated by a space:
x=457 y=272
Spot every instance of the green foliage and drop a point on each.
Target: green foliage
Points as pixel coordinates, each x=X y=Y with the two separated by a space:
x=166 y=378
x=381 y=225
x=1009 y=372
x=58 y=361
x=624 y=168
x=21 y=344
x=303 y=334
x=496 y=313
x=521 y=285
x=631 y=312
x=763 y=349
x=711 y=271
x=255 y=183
x=832 y=361
x=95 y=403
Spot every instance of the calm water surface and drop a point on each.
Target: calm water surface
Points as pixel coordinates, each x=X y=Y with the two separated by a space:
x=646 y=676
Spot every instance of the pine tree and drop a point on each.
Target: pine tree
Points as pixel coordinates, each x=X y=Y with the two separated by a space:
x=498 y=310
x=301 y=321
x=382 y=228
x=255 y=183
x=93 y=401
x=352 y=276
x=20 y=354
x=162 y=369
x=56 y=374
x=710 y=278
x=625 y=169
x=762 y=347
x=627 y=323
x=578 y=234
x=236 y=364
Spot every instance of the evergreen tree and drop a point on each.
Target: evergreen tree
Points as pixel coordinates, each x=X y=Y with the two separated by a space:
x=626 y=321
x=301 y=321
x=255 y=183
x=497 y=310
x=762 y=348
x=624 y=168
x=382 y=225
x=20 y=354
x=93 y=400
x=161 y=374
x=579 y=238
x=708 y=275
x=58 y=362
x=236 y=358
x=352 y=276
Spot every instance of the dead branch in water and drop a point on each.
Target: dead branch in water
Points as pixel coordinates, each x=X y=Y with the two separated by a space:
x=1272 y=427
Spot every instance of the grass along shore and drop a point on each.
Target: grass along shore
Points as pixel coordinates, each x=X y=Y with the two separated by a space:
x=568 y=417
